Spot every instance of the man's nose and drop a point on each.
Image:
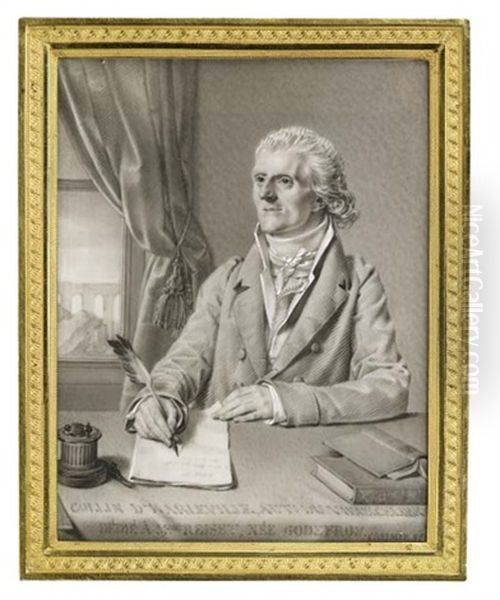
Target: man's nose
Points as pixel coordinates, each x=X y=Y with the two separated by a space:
x=268 y=192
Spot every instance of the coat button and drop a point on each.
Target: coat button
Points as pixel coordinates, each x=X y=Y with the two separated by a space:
x=315 y=347
x=242 y=354
x=298 y=379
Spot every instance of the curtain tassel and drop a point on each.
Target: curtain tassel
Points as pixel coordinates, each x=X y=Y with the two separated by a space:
x=175 y=302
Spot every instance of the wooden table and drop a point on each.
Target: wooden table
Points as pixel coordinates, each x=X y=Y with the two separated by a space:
x=276 y=497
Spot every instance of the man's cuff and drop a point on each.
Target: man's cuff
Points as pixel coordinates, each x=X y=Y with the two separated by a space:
x=279 y=415
x=132 y=411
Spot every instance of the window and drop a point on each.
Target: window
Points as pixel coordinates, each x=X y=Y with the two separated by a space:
x=90 y=272
x=99 y=272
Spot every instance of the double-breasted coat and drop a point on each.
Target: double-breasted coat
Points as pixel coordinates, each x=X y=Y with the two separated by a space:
x=340 y=362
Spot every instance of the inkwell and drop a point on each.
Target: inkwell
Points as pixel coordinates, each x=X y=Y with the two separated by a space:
x=79 y=465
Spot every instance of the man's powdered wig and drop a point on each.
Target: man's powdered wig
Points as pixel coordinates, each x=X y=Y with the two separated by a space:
x=325 y=169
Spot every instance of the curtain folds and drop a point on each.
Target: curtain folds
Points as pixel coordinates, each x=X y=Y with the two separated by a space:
x=131 y=123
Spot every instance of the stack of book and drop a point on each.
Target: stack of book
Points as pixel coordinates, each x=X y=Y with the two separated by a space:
x=370 y=466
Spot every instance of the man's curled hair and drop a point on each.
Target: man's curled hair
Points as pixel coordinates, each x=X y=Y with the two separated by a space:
x=325 y=169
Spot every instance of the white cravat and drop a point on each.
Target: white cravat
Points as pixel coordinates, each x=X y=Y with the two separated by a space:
x=283 y=291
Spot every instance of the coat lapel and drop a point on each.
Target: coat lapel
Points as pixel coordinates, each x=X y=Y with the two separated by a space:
x=249 y=311
x=326 y=296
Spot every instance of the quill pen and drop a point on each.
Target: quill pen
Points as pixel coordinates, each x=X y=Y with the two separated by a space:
x=137 y=372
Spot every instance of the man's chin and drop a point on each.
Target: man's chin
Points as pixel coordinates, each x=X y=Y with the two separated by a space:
x=270 y=225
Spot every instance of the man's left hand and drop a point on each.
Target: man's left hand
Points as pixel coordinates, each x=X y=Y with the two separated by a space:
x=249 y=403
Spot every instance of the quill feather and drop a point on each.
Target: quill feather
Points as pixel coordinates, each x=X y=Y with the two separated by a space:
x=132 y=364
x=136 y=371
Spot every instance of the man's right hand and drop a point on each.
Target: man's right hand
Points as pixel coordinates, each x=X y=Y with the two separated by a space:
x=155 y=424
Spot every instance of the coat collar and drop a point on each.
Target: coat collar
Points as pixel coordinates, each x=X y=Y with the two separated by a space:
x=322 y=300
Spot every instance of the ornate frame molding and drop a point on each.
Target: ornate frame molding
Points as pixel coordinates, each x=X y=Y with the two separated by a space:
x=444 y=44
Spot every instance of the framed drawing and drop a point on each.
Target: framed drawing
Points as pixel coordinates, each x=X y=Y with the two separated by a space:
x=265 y=223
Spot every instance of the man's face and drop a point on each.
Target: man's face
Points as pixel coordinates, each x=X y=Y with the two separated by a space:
x=285 y=202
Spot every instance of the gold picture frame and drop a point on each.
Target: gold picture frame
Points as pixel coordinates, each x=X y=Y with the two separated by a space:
x=444 y=46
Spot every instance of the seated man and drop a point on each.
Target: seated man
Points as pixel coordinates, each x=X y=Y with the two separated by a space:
x=295 y=333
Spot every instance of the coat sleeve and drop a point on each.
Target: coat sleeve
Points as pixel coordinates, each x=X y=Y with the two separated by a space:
x=379 y=378
x=187 y=366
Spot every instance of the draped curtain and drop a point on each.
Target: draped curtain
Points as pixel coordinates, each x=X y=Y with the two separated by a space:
x=131 y=123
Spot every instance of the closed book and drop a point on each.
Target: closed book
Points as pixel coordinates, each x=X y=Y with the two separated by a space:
x=377 y=451
x=359 y=486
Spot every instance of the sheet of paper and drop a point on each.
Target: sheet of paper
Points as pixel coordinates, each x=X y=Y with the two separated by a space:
x=203 y=461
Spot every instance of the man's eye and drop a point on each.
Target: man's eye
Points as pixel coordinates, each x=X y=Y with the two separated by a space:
x=259 y=179
x=287 y=181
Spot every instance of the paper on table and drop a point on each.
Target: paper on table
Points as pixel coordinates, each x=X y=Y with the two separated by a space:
x=203 y=460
